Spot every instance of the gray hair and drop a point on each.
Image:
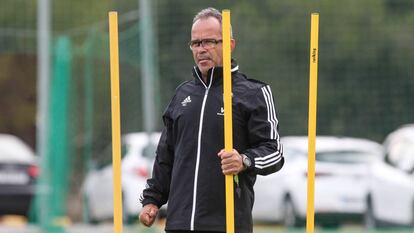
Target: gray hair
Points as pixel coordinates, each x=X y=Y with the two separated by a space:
x=211 y=12
x=207 y=13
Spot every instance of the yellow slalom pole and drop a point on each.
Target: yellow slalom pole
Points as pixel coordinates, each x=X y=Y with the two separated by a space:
x=313 y=91
x=228 y=121
x=116 y=129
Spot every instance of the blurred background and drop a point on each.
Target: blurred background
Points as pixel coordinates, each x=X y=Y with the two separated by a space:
x=55 y=88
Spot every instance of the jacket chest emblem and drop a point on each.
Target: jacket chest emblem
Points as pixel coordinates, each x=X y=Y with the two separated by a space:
x=186 y=101
x=221 y=112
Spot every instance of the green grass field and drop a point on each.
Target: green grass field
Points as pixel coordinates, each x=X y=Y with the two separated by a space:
x=280 y=229
x=108 y=228
x=273 y=229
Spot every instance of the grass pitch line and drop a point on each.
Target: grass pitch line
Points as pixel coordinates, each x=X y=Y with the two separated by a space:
x=116 y=129
x=313 y=89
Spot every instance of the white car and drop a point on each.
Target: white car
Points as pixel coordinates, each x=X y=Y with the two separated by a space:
x=391 y=198
x=341 y=181
x=18 y=175
x=137 y=161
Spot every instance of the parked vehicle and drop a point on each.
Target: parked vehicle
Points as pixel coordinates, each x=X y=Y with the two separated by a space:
x=341 y=181
x=138 y=157
x=391 y=197
x=18 y=173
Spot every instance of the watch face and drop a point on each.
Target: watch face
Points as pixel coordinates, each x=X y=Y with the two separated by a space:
x=246 y=161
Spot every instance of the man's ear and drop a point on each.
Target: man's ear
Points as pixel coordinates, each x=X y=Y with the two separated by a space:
x=232 y=44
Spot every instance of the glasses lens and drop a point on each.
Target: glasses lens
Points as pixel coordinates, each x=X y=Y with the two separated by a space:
x=208 y=43
x=194 y=43
x=205 y=43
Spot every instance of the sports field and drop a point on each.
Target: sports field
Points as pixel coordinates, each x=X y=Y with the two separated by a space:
x=273 y=229
x=108 y=228
x=280 y=229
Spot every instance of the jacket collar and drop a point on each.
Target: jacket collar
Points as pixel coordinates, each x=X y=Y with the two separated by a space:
x=214 y=75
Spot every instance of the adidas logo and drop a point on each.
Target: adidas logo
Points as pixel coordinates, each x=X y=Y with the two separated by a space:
x=221 y=113
x=186 y=101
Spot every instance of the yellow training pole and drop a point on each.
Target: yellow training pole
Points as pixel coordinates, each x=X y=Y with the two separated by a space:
x=313 y=89
x=116 y=129
x=228 y=122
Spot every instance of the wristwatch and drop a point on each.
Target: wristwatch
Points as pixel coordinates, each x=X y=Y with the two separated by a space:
x=246 y=161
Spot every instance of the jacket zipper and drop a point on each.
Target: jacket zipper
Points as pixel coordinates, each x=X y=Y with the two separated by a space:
x=200 y=129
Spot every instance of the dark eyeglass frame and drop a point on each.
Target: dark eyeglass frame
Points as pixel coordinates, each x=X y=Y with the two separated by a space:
x=204 y=42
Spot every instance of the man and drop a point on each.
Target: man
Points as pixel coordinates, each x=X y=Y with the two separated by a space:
x=190 y=164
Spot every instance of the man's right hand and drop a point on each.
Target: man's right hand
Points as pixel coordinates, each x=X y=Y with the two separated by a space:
x=148 y=214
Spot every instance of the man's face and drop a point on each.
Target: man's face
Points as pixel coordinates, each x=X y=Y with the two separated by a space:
x=206 y=58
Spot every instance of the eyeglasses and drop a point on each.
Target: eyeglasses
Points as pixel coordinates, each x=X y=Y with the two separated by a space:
x=205 y=43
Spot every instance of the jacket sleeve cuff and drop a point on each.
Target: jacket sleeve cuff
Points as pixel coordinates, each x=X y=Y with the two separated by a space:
x=251 y=167
x=147 y=201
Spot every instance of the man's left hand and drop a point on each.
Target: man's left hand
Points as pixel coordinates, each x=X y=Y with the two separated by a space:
x=231 y=162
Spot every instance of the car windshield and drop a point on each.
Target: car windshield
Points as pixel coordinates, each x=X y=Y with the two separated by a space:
x=346 y=156
x=149 y=151
x=400 y=154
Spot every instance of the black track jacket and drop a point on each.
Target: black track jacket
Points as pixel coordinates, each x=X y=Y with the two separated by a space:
x=187 y=171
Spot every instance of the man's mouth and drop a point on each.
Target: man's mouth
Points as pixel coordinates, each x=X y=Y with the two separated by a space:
x=203 y=60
